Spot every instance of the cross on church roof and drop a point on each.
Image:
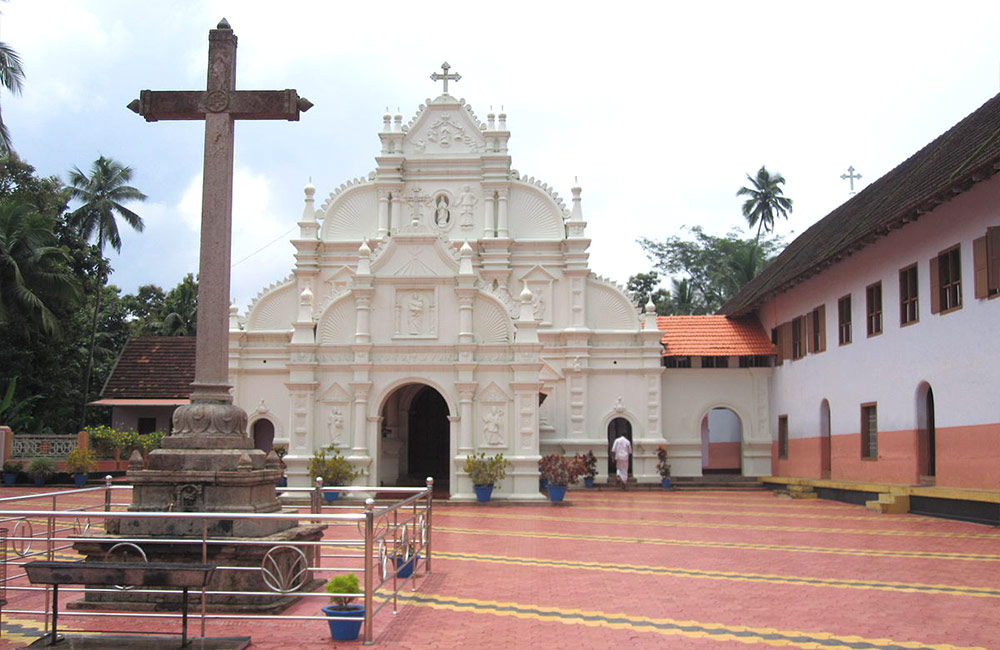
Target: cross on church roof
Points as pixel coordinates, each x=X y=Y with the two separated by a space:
x=437 y=76
x=852 y=176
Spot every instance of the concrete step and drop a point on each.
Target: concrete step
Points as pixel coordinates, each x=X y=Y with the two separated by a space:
x=890 y=504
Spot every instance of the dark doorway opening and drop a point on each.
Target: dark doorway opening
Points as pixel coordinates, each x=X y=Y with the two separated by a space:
x=825 y=447
x=618 y=427
x=263 y=434
x=926 y=433
x=429 y=438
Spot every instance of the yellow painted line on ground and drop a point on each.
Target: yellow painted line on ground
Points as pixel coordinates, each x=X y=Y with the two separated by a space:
x=734 y=545
x=670 y=627
x=717 y=525
x=758 y=513
x=681 y=572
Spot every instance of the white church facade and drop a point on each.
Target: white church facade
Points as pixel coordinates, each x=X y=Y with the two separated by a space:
x=443 y=306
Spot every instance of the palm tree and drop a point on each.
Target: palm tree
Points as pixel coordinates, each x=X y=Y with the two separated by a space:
x=11 y=78
x=103 y=195
x=34 y=269
x=766 y=200
x=682 y=297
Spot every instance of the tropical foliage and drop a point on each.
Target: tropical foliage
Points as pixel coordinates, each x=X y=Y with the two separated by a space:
x=11 y=78
x=483 y=470
x=765 y=200
x=561 y=470
x=328 y=463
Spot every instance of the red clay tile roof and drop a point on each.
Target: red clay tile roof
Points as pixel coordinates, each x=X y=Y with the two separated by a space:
x=966 y=154
x=713 y=336
x=153 y=367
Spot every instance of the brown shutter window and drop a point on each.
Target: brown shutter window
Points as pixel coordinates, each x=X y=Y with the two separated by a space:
x=935 y=286
x=993 y=259
x=980 y=268
x=819 y=327
x=785 y=339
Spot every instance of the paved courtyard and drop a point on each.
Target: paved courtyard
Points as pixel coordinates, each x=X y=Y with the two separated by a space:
x=653 y=569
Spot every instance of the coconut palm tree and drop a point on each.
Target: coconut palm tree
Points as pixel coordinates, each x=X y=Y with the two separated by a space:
x=11 y=78
x=34 y=269
x=102 y=195
x=766 y=200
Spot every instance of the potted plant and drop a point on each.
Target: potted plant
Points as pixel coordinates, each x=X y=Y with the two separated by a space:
x=333 y=468
x=40 y=468
x=281 y=450
x=79 y=463
x=485 y=472
x=405 y=558
x=589 y=468
x=10 y=471
x=343 y=589
x=662 y=466
x=559 y=472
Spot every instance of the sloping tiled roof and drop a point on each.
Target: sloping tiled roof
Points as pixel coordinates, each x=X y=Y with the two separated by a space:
x=965 y=155
x=713 y=336
x=153 y=367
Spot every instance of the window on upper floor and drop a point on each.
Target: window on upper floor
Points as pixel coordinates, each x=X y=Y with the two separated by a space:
x=873 y=305
x=676 y=362
x=869 y=431
x=844 y=320
x=946 y=281
x=909 y=311
x=817 y=325
x=755 y=361
x=798 y=345
x=986 y=261
x=715 y=362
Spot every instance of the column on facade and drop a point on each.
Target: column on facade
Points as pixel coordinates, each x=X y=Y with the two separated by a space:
x=488 y=212
x=503 y=196
x=383 y=214
x=359 y=446
x=466 y=392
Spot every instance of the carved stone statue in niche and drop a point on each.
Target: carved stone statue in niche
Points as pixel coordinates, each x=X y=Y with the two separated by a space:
x=491 y=426
x=188 y=498
x=442 y=214
x=417 y=200
x=415 y=313
x=466 y=207
x=335 y=425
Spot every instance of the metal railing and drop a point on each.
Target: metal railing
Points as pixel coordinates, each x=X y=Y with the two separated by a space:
x=363 y=532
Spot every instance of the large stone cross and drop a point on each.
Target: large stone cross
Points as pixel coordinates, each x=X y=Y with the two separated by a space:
x=437 y=76
x=220 y=104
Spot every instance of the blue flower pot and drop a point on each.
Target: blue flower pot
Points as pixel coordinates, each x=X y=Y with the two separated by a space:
x=664 y=482
x=404 y=568
x=483 y=492
x=331 y=495
x=345 y=630
x=588 y=482
x=9 y=478
x=556 y=493
x=80 y=479
x=282 y=482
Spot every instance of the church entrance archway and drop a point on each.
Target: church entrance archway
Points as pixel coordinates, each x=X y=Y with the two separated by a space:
x=415 y=437
x=263 y=434
x=926 y=434
x=618 y=427
x=721 y=442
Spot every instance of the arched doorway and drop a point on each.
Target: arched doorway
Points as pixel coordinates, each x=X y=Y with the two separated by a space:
x=926 y=434
x=618 y=427
x=263 y=434
x=415 y=437
x=721 y=442
x=825 y=450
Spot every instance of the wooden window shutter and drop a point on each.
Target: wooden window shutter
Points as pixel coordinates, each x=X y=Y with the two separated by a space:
x=785 y=339
x=820 y=315
x=935 y=285
x=807 y=334
x=993 y=258
x=980 y=268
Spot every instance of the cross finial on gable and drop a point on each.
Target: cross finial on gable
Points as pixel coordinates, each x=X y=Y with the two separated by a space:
x=437 y=76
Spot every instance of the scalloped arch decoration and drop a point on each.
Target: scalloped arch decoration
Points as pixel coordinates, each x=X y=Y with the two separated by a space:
x=609 y=309
x=275 y=310
x=338 y=323
x=533 y=215
x=491 y=323
x=353 y=215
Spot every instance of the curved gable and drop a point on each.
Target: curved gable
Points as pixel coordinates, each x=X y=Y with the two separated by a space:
x=274 y=310
x=532 y=214
x=352 y=214
x=608 y=308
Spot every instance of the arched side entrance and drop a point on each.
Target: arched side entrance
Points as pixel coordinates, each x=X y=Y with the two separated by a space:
x=926 y=434
x=618 y=427
x=415 y=439
x=825 y=446
x=721 y=442
x=263 y=434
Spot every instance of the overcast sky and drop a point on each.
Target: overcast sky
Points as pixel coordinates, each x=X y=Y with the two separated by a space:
x=660 y=109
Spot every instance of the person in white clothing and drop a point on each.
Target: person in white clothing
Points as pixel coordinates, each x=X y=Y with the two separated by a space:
x=621 y=448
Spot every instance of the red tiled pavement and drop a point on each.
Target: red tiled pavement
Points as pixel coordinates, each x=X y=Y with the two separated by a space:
x=684 y=570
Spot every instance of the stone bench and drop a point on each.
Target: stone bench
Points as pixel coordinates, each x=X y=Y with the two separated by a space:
x=119 y=574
